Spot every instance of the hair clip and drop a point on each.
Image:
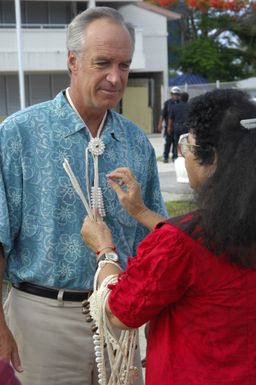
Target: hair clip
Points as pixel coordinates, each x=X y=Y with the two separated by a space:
x=249 y=124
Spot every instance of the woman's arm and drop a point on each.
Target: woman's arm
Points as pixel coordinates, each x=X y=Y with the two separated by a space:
x=98 y=237
x=128 y=192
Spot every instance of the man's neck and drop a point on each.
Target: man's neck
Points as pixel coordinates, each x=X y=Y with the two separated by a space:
x=93 y=122
x=91 y=117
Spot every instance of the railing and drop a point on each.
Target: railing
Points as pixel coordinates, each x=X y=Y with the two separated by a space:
x=37 y=26
x=198 y=89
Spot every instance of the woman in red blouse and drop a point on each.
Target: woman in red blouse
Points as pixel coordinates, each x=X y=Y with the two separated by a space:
x=194 y=276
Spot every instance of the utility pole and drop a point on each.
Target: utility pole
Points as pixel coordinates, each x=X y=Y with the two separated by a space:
x=91 y=3
x=19 y=53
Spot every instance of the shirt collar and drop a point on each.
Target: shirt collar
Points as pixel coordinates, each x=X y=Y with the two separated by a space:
x=72 y=123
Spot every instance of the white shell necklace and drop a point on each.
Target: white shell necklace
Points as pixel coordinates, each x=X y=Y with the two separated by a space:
x=120 y=348
x=96 y=147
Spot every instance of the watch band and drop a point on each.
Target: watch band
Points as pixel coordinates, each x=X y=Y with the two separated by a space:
x=110 y=256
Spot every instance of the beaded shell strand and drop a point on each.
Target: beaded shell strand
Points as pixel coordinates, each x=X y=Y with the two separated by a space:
x=120 y=347
x=96 y=147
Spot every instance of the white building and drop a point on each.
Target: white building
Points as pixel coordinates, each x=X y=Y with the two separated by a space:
x=43 y=36
x=249 y=85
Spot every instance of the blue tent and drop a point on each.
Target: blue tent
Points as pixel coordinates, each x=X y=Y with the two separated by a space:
x=180 y=80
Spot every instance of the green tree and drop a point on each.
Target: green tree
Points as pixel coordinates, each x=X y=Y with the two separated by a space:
x=217 y=38
x=211 y=59
x=245 y=29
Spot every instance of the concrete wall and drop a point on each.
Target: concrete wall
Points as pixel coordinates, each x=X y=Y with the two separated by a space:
x=135 y=107
x=155 y=34
x=45 y=50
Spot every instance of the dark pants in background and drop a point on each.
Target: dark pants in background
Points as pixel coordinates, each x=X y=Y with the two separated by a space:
x=168 y=142
x=177 y=132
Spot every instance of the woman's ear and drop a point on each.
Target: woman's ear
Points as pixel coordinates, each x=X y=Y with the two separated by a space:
x=213 y=166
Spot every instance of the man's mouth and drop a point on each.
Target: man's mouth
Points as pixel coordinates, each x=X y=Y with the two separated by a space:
x=110 y=91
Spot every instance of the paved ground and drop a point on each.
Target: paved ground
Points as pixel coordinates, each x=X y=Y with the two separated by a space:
x=171 y=189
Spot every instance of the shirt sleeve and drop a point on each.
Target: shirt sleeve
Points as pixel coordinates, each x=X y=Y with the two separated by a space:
x=164 y=111
x=158 y=276
x=10 y=185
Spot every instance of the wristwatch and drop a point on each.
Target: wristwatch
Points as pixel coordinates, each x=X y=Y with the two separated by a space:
x=110 y=256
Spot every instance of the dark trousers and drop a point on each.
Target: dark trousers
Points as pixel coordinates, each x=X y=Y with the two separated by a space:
x=178 y=131
x=176 y=136
x=167 y=145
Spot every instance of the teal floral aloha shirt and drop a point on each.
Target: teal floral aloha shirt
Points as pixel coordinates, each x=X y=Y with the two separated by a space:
x=41 y=215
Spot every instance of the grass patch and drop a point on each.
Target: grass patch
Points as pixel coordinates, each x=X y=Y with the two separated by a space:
x=179 y=207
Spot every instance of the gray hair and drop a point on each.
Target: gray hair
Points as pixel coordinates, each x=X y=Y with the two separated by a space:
x=77 y=27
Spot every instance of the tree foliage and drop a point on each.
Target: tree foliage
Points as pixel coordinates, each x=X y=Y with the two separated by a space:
x=217 y=38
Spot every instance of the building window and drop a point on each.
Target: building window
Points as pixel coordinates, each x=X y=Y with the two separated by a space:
x=38 y=88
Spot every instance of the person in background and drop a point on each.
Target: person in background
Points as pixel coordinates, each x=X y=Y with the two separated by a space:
x=43 y=331
x=194 y=276
x=163 y=121
x=176 y=121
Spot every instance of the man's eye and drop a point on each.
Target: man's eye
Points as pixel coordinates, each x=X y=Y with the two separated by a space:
x=101 y=64
x=125 y=66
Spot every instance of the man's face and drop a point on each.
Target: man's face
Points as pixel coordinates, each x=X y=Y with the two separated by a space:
x=100 y=73
x=175 y=97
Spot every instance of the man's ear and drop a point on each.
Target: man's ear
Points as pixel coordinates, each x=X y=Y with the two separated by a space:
x=72 y=61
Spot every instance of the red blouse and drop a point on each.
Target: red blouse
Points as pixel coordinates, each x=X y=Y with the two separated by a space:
x=202 y=310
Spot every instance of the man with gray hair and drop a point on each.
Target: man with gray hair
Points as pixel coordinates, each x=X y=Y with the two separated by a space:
x=43 y=332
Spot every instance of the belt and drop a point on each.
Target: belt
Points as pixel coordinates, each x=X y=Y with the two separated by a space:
x=48 y=292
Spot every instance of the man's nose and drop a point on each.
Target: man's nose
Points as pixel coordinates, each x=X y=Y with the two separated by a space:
x=114 y=75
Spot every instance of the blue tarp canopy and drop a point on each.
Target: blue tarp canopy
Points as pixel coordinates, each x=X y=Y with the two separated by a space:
x=180 y=80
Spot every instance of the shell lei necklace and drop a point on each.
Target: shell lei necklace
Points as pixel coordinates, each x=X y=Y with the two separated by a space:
x=96 y=147
x=118 y=347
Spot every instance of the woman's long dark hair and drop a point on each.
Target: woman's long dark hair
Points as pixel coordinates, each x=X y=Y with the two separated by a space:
x=227 y=200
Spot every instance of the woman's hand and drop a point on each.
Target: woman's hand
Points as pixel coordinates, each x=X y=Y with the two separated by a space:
x=124 y=183
x=128 y=192
x=96 y=234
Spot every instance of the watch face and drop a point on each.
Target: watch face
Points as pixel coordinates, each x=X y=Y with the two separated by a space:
x=112 y=256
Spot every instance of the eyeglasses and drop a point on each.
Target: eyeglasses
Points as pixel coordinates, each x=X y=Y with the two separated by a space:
x=184 y=146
